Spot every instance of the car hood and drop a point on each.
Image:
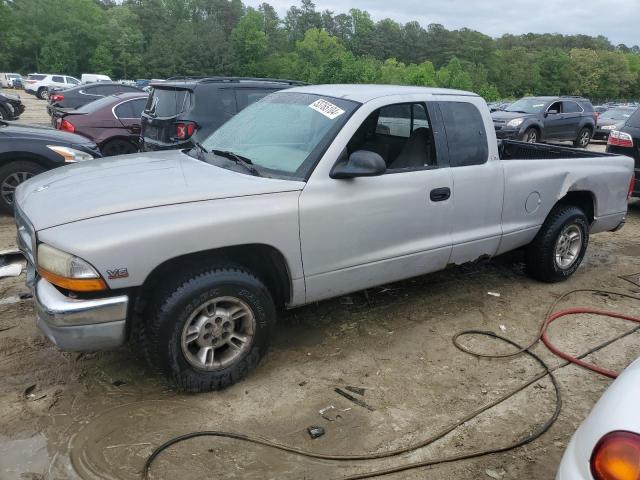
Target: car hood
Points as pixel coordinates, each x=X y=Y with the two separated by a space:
x=36 y=132
x=506 y=116
x=130 y=182
x=10 y=96
x=610 y=121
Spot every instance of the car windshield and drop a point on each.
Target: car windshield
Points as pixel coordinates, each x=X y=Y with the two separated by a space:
x=284 y=133
x=526 y=105
x=617 y=114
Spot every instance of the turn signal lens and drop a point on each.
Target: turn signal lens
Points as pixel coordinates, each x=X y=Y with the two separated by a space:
x=73 y=284
x=67 y=271
x=617 y=457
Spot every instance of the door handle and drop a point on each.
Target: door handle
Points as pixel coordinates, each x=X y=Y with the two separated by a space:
x=440 y=194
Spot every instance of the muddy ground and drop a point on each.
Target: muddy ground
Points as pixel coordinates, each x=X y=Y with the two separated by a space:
x=99 y=415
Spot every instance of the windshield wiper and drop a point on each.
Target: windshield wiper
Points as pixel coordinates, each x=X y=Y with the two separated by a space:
x=238 y=159
x=200 y=150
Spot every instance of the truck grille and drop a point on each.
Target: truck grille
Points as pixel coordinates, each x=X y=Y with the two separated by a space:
x=26 y=238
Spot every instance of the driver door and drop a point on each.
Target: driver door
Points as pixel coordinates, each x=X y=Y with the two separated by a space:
x=361 y=232
x=553 y=123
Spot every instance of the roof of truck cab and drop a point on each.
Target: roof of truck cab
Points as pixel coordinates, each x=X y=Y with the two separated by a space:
x=365 y=93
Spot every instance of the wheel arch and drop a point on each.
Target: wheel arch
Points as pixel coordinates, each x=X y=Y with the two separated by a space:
x=19 y=156
x=583 y=199
x=265 y=261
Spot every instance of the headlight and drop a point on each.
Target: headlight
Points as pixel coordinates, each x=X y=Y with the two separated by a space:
x=71 y=155
x=608 y=127
x=67 y=271
x=516 y=122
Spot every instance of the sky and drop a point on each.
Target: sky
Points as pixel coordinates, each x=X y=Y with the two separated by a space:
x=618 y=20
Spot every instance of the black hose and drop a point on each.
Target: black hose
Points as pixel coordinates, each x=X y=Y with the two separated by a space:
x=540 y=430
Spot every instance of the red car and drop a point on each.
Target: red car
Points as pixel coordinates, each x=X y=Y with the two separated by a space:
x=113 y=122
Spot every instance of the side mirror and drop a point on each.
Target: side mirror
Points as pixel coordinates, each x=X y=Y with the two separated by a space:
x=552 y=112
x=361 y=163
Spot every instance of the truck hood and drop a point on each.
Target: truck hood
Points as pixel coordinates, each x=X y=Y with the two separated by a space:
x=131 y=182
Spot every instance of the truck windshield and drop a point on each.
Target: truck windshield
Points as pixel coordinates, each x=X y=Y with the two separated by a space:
x=284 y=133
x=526 y=105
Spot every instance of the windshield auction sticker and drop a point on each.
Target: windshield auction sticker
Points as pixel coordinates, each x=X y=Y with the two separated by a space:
x=327 y=109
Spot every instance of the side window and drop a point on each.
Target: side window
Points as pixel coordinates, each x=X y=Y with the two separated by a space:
x=466 y=134
x=571 y=107
x=137 y=106
x=400 y=134
x=72 y=81
x=555 y=107
x=247 y=96
x=402 y=120
x=634 y=120
x=228 y=102
x=125 y=110
x=57 y=79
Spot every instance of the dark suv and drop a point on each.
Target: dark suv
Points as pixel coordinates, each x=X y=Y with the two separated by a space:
x=181 y=110
x=537 y=119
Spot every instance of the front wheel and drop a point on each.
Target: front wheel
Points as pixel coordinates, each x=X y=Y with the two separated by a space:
x=584 y=137
x=560 y=245
x=531 y=136
x=209 y=330
x=118 y=147
x=11 y=175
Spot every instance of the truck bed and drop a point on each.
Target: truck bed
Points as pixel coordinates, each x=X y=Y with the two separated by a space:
x=515 y=150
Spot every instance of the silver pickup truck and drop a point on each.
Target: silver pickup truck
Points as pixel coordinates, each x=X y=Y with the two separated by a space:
x=311 y=193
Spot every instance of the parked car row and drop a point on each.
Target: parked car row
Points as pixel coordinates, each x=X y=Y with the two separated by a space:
x=11 y=80
x=626 y=141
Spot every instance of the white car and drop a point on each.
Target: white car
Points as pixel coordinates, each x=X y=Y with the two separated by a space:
x=607 y=444
x=39 y=84
x=7 y=79
x=94 y=77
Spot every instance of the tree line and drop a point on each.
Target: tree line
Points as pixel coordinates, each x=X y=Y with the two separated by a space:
x=162 y=38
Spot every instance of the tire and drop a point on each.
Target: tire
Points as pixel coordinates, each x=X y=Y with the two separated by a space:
x=4 y=115
x=531 y=135
x=566 y=230
x=583 y=139
x=43 y=93
x=11 y=175
x=118 y=147
x=189 y=318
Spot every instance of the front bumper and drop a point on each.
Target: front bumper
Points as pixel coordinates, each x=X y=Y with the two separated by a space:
x=509 y=134
x=80 y=325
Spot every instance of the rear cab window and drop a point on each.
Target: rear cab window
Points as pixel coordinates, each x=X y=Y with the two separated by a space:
x=168 y=102
x=466 y=134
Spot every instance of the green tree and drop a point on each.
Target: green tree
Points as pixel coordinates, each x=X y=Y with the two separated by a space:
x=101 y=61
x=249 y=42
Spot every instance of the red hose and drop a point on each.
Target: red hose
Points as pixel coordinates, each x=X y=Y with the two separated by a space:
x=570 y=358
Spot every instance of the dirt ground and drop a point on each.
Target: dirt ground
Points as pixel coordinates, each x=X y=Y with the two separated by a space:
x=99 y=415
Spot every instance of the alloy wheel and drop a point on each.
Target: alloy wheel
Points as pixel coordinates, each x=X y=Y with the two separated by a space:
x=9 y=184
x=568 y=246
x=218 y=333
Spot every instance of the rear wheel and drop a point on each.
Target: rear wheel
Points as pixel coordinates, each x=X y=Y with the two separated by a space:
x=584 y=137
x=531 y=136
x=43 y=93
x=560 y=245
x=4 y=115
x=118 y=147
x=12 y=175
x=210 y=329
